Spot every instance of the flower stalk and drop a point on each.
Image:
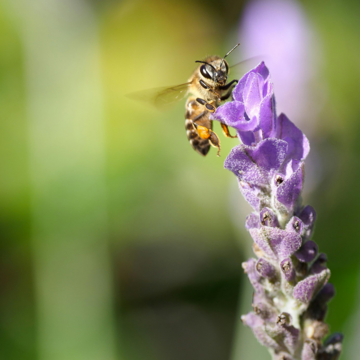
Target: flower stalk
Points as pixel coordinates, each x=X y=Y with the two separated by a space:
x=289 y=276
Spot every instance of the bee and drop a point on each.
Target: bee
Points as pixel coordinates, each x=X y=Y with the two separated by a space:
x=207 y=88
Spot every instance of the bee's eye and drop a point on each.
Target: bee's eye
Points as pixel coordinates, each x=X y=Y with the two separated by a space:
x=225 y=68
x=204 y=72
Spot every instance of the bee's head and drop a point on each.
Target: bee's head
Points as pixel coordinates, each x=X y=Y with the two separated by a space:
x=216 y=71
x=221 y=74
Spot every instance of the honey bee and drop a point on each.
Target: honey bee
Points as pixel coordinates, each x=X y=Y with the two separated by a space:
x=207 y=88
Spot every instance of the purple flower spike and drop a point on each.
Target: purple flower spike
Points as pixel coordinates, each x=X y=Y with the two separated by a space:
x=289 y=277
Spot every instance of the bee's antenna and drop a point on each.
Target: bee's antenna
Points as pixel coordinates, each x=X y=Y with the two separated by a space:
x=231 y=50
x=229 y=53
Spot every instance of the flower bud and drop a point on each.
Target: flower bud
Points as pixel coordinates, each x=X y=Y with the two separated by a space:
x=265 y=269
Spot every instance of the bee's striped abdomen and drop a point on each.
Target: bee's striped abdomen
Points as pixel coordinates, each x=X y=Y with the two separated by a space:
x=195 y=111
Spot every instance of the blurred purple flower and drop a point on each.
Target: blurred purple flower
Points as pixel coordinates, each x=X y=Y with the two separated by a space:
x=289 y=277
x=280 y=31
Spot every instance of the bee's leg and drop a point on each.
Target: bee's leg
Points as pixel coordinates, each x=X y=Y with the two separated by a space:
x=206 y=133
x=215 y=141
x=227 y=95
x=208 y=106
x=226 y=131
x=227 y=86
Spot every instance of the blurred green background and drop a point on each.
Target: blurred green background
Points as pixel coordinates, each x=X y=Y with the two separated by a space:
x=118 y=241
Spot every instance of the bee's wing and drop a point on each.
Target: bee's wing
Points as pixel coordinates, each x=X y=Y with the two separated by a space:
x=161 y=97
x=238 y=69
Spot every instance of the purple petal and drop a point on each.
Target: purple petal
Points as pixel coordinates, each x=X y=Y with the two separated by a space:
x=307 y=252
x=283 y=243
x=230 y=112
x=247 y=137
x=289 y=190
x=289 y=166
x=260 y=69
x=233 y=114
x=267 y=115
x=252 y=194
x=268 y=87
x=239 y=88
x=252 y=94
x=306 y=289
x=276 y=243
x=269 y=154
x=299 y=146
x=244 y=167
x=263 y=71
x=262 y=242
x=255 y=164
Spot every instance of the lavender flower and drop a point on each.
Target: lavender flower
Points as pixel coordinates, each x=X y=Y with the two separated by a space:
x=281 y=31
x=290 y=278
